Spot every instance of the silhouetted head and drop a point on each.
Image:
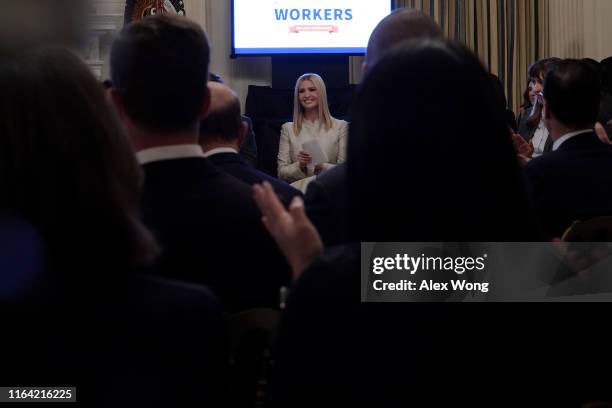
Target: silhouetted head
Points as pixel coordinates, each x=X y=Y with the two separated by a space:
x=399 y=26
x=595 y=66
x=419 y=168
x=572 y=93
x=159 y=68
x=606 y=75
x=223 y=124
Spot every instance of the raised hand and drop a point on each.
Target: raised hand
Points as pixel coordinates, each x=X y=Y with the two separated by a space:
x=295 y=235
x=602 y=134
x=523 y=149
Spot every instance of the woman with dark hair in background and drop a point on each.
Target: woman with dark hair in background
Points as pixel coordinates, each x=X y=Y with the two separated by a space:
x=412 y=177
x=531 y=125
x=88 y=319
x=527 y=105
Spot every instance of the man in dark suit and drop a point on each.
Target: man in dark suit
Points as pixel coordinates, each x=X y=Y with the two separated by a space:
x=222 y=133
x=202 y=217
x=573 y=181
x=248 y=148
x=325 y=198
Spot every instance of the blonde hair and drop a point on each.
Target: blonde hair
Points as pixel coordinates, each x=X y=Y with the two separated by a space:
x=298 y=112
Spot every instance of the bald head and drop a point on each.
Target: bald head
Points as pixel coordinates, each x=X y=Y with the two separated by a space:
x=224 y=120
x=399 y=26
x=221 y=97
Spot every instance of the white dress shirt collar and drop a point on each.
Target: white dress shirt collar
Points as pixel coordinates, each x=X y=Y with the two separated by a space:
x=568 y=136
x=183 y=151
x=218 y=150
x=540 y=137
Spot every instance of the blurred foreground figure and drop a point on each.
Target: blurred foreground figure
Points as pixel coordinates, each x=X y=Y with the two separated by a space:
x=335 y=349
x=77 y=308
x=31 y=22
x=206 y=221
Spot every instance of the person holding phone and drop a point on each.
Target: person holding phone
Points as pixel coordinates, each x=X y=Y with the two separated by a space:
x=532 y=127
x=311 y=121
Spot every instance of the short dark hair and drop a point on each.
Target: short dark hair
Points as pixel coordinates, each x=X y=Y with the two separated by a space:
x=223 y=122
x=159 y=66
x=572 y=92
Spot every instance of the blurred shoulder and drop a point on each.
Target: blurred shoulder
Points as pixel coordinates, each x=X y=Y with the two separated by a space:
x=287 y=126
x=339 y=123
x=157 y=291
x=287 y=129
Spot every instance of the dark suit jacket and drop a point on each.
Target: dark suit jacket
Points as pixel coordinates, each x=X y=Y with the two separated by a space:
x=134 y=341
x=236 y=166
x=326 y=205
x=248 y=150
x=333 y=347
x=211 y=232
x=523 y=129
x=572 y=183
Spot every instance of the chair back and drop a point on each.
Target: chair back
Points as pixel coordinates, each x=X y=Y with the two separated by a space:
x=252 y=335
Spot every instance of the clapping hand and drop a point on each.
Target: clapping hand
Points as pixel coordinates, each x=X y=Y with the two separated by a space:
x=601 y=133
x=297 y=238
x=523 y=149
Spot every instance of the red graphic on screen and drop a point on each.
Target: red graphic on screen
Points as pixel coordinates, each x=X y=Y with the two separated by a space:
x=312 y=28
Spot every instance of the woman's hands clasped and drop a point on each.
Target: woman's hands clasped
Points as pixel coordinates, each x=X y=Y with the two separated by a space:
x=304 y=159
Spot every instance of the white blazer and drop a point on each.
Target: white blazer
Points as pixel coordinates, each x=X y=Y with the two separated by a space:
x=332 y=141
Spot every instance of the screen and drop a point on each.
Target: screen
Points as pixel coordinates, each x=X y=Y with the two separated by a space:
x=268 y=27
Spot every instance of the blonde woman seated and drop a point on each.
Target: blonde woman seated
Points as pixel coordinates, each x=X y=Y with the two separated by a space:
x=315 y=141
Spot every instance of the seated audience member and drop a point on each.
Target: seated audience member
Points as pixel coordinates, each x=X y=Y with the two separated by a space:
x=326 y=195
x=312 y=122
x=531 y=125
x=571 y=183
x=205 y=220
x=221 y=134
x=80 y=313
x=248 y=148
x=335 y=348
